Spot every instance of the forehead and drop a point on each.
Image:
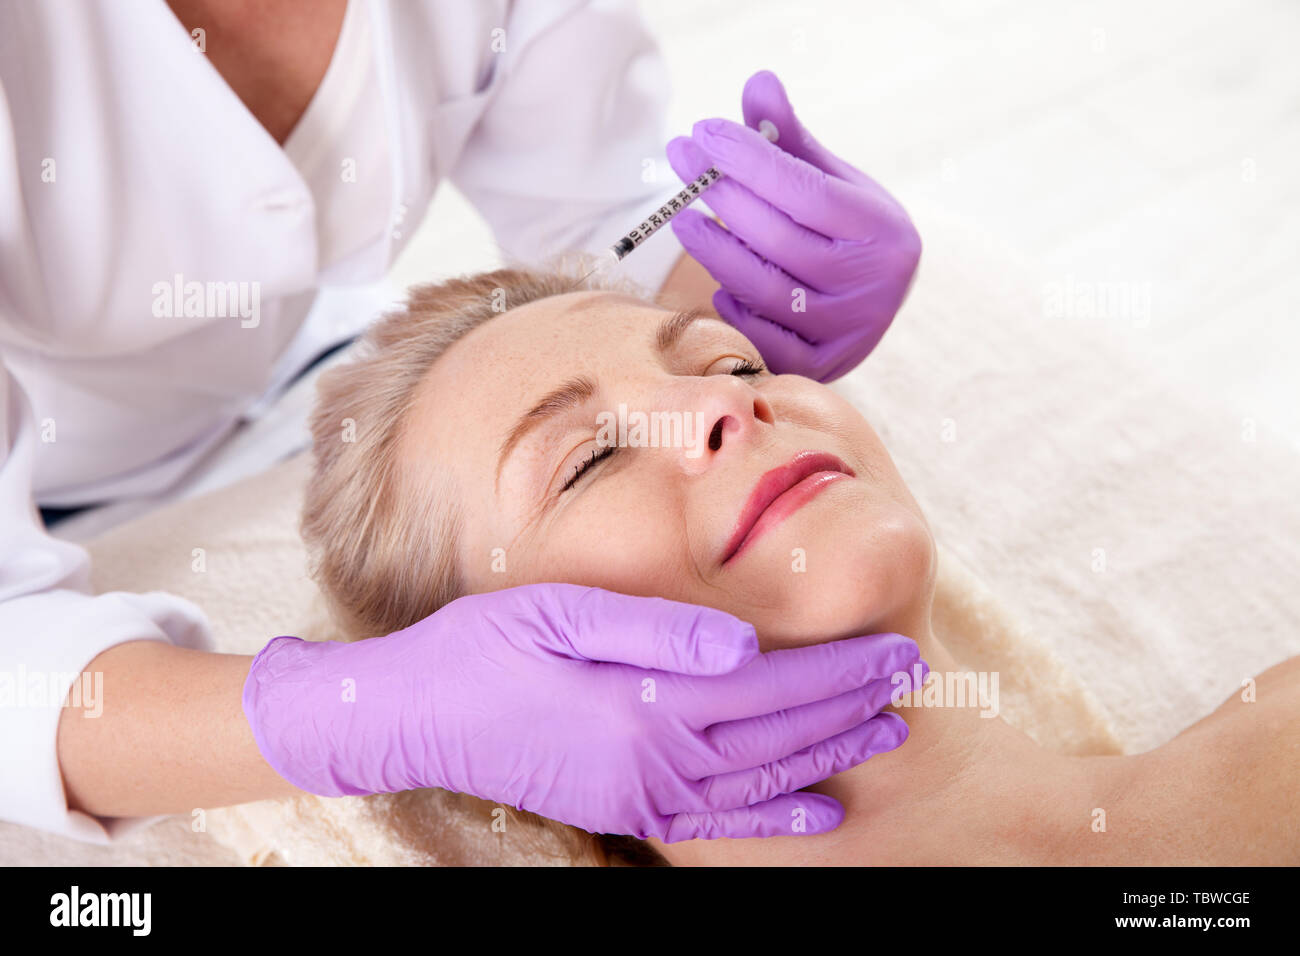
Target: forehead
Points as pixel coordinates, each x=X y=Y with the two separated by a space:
x=556 y=335
x=491 y=370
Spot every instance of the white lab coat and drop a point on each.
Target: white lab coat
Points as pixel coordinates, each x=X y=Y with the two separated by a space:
x=125 y=160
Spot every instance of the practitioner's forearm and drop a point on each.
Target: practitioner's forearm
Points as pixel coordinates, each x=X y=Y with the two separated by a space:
x=171 y=737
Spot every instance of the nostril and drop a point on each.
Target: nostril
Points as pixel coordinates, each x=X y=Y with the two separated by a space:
x=715 y=436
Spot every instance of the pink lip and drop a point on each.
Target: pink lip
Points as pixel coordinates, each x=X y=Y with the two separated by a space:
x=781 y=492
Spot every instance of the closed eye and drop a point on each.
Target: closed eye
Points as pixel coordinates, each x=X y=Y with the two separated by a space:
x=596 y=457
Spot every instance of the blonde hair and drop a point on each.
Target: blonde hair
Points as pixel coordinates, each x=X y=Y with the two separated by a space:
x=381 y=547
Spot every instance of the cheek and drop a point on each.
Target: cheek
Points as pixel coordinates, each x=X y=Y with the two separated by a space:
x=619 y=537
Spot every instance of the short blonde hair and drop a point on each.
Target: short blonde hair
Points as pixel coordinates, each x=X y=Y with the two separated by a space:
x=382 y=547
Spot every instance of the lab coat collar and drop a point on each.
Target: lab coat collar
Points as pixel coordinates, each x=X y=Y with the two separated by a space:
x=260 y=178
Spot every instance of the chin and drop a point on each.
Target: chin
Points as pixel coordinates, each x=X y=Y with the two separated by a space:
x=874 y=580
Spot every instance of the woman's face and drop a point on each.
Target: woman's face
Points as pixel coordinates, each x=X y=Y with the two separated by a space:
x=768 y=496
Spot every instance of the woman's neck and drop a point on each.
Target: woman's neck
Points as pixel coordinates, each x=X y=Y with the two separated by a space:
x=964 y=788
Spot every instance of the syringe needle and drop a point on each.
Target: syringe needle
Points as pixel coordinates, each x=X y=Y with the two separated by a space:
x=674 y=204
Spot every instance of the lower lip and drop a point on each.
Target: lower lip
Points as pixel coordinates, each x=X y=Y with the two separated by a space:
x=786 y=504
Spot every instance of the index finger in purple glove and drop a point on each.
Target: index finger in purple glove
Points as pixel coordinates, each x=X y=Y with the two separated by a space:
x=824 y=203
x=794 y=676
x=792 y=255
x=764 y=98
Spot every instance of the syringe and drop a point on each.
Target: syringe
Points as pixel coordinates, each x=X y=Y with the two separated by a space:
x=670 y=207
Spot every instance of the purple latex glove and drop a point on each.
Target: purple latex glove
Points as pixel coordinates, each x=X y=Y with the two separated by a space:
x=613 y=713
x=797 y=218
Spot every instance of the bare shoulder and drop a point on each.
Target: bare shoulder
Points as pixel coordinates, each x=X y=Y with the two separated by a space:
x=1231 y=778
x=1268 y=703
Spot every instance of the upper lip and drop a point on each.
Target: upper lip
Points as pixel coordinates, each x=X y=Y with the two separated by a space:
x=773 y=485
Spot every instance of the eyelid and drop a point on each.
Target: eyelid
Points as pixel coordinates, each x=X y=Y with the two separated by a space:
x=558 y=472
x=739 y=361
x=597 y=456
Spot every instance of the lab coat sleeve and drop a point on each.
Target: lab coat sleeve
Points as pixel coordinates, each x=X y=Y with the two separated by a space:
x=569 y=153
x=51 y=627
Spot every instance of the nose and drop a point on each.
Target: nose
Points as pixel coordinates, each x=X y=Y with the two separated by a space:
x=727 y=415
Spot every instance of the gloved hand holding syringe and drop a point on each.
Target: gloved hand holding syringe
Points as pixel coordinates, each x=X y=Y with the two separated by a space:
x=815 y=258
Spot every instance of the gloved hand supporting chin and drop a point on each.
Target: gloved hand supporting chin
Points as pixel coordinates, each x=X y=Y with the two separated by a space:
x=613 y=713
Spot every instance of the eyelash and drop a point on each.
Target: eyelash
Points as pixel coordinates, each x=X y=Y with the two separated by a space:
x=593 y=458
x=745 y=368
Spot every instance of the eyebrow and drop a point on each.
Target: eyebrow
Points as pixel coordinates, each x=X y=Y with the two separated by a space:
x=573 y=393
x=675 y=326
x=569 y=395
